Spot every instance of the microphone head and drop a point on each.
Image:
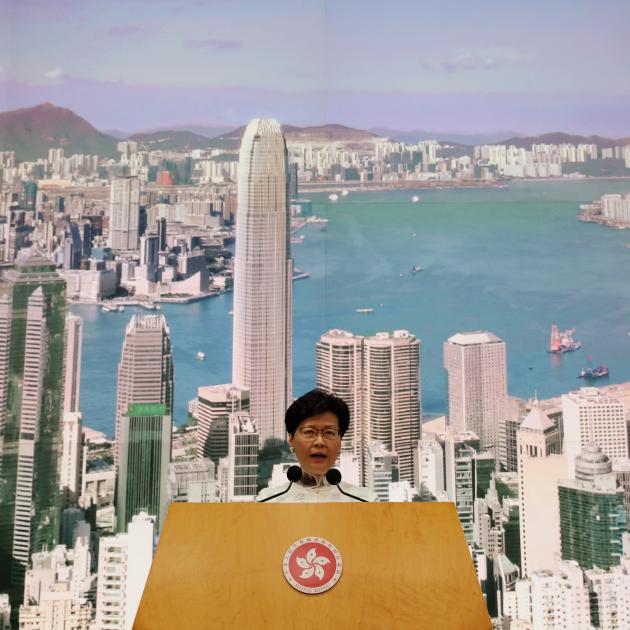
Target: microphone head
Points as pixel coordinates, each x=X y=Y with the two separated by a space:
x=294 y=473
x=333 y=477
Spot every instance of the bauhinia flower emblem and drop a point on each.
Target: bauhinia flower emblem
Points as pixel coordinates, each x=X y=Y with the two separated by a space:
x=312 y=564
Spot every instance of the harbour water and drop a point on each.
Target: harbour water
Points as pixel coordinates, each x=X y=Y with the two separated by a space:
x=510 y=260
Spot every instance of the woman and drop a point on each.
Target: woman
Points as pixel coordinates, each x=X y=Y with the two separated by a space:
x=316 y=423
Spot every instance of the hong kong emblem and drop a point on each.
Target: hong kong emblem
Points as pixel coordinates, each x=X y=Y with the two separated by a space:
x=312 y=565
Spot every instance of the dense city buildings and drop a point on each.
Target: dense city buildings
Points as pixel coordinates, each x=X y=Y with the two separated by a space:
x=475 y=363
x=262 y=330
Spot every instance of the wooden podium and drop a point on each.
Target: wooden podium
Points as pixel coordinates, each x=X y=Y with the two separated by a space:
x=405 y=565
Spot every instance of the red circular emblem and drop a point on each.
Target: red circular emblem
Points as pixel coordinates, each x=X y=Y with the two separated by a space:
x=312 y=565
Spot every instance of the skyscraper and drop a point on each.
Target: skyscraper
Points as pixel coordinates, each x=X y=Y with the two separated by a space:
x=144 y=452
x=72 y=361
x=477 y=385
x=261 y=355
x=124 y=213
x=592 y=512
x=339 y=369
x=145 y=371
x=32 y=331
x=392 y=395
x=539 y=467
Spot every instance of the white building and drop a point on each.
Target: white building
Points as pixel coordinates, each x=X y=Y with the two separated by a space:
x=5 y=612
x=124 y=213
x=123 y=568
x=72 y=360
x=242 y=458
x=477 y=385
x=540 y=467
x=430 y=466
x=185 y=475
x=71 y=458
x=381 y=469
x=262 y=330
x=89 y=285
x=590 y=416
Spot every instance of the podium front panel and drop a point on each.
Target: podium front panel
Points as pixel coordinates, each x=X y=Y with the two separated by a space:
x=405 y=565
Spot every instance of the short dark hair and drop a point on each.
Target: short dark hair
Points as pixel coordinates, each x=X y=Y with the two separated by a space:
x=314 y=403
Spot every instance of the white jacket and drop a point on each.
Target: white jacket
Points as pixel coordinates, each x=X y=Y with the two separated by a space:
x=325 y=493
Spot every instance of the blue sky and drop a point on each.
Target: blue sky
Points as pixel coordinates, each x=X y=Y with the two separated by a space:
x=457 y=66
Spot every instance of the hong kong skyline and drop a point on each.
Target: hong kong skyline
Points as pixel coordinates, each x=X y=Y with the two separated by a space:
x=534 y=69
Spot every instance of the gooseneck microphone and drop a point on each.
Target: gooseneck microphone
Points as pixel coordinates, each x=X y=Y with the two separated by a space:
x=333 y=477
x=294 y=473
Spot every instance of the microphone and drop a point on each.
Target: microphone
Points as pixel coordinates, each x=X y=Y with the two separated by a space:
x=333 y=477
x=294 y=473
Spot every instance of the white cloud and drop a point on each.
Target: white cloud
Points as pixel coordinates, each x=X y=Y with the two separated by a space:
x=55 y=74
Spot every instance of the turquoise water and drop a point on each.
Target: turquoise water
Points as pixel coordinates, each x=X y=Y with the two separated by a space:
x=512 y=261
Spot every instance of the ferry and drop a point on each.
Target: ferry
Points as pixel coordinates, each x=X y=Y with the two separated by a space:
x=298 y=274
x=333 y=197
x=562 y=341
x=316 y=220
x=200 y=356
x=296 y=240
x=593 y=373
x=364 y=310
x=415 y=199
x=416 y=269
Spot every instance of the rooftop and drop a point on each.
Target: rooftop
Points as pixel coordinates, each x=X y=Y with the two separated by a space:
x=474 y=338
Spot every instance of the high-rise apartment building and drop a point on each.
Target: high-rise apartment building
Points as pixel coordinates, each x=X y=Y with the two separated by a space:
x=72 y=360
x=214 y=405
x=590 y=416
x=145 y=371
x=242 y=458
x=261 y=356
x=339 y=369
x=592 y=512
x=144 y=451
x=32 y=332
x=382 y=469
x=475 y=363
x=124 y=213
x=392 y=403
x=124 y=561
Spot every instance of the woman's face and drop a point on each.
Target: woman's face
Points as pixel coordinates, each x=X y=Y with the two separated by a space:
x=317 y=454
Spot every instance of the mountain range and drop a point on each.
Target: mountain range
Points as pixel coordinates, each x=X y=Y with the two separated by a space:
x=31 y=131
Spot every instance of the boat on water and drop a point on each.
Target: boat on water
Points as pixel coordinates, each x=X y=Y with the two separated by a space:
x=344 y=193
x=416 y=269
x=562 y=341
x=415 y=199
x=296 y=240
x=112 y=308
x=200 y=356
x=298 y=274
x=120 y=308
x=316 y=220
x=364 y=310
x=593 y=373
x=333 y=197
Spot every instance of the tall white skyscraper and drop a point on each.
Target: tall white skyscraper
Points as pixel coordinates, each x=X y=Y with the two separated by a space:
x=71 y=458
x=339 y=369
x=477 y=385
x=392 y=395
x=539 y=468
x=72 y=361
x=124 y=213
x=145 y=371
x=590 y=416
x=261 y=355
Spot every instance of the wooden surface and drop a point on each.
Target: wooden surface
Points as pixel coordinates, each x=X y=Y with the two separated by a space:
x=405 y=565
